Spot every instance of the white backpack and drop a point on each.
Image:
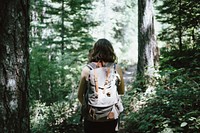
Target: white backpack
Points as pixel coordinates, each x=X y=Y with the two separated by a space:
x=102 y=101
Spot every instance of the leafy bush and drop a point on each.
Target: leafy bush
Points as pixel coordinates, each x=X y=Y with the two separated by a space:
x=61 y=117
x=174 y=107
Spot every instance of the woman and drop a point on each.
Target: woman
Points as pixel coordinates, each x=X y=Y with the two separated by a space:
x=102 y=53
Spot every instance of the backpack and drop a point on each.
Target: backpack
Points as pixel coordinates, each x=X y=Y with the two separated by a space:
x=102 y=102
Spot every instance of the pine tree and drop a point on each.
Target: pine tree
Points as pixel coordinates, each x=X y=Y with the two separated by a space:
x=181 y=18
x=14 y=66
x=60 y=43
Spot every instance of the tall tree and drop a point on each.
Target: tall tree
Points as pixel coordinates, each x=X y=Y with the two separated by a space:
x=147 y=46
x=60 y=41
x=14 y=68
x=181 y=21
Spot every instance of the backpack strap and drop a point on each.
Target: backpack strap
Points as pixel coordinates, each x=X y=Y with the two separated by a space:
x=115 y=67
x=91 y=66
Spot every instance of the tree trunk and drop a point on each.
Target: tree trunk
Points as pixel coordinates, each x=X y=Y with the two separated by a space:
x=14 y=68
x=148 y=51
x=180 y=26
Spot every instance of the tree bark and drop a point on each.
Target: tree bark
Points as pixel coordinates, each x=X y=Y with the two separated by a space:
x=148 y=51
x=14 y=66
x=180 y=26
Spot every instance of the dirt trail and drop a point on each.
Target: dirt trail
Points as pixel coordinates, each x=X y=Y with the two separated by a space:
x=129 y=74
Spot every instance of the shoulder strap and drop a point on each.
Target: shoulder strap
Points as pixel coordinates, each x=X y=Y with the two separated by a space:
x=91 y=66
x=115 y=67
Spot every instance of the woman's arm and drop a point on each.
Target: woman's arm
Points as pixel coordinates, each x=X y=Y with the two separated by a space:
x=82 y=84
x=121 y=86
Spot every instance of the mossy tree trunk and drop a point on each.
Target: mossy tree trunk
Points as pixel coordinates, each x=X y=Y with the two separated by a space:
x=14 y=68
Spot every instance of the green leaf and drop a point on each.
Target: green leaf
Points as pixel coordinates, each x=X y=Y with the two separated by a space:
x=180 y=80
x=184 y=124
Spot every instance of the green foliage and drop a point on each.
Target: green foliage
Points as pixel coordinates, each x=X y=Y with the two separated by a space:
x=187 y=59
x=58 y=117
x=180 y=19
x=59 y=44
x=175 y=106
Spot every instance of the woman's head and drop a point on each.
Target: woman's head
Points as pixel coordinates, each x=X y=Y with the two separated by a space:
x=102 y=51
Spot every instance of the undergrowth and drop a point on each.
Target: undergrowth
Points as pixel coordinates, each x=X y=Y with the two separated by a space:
x=175 y=105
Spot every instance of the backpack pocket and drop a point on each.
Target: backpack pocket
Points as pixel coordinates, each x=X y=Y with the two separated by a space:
x=99 y=113
x=103 y=113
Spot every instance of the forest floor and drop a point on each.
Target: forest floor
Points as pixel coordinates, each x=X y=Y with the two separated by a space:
x=129 y=74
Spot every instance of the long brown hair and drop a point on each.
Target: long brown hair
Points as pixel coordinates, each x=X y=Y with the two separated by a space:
x=102 y=51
